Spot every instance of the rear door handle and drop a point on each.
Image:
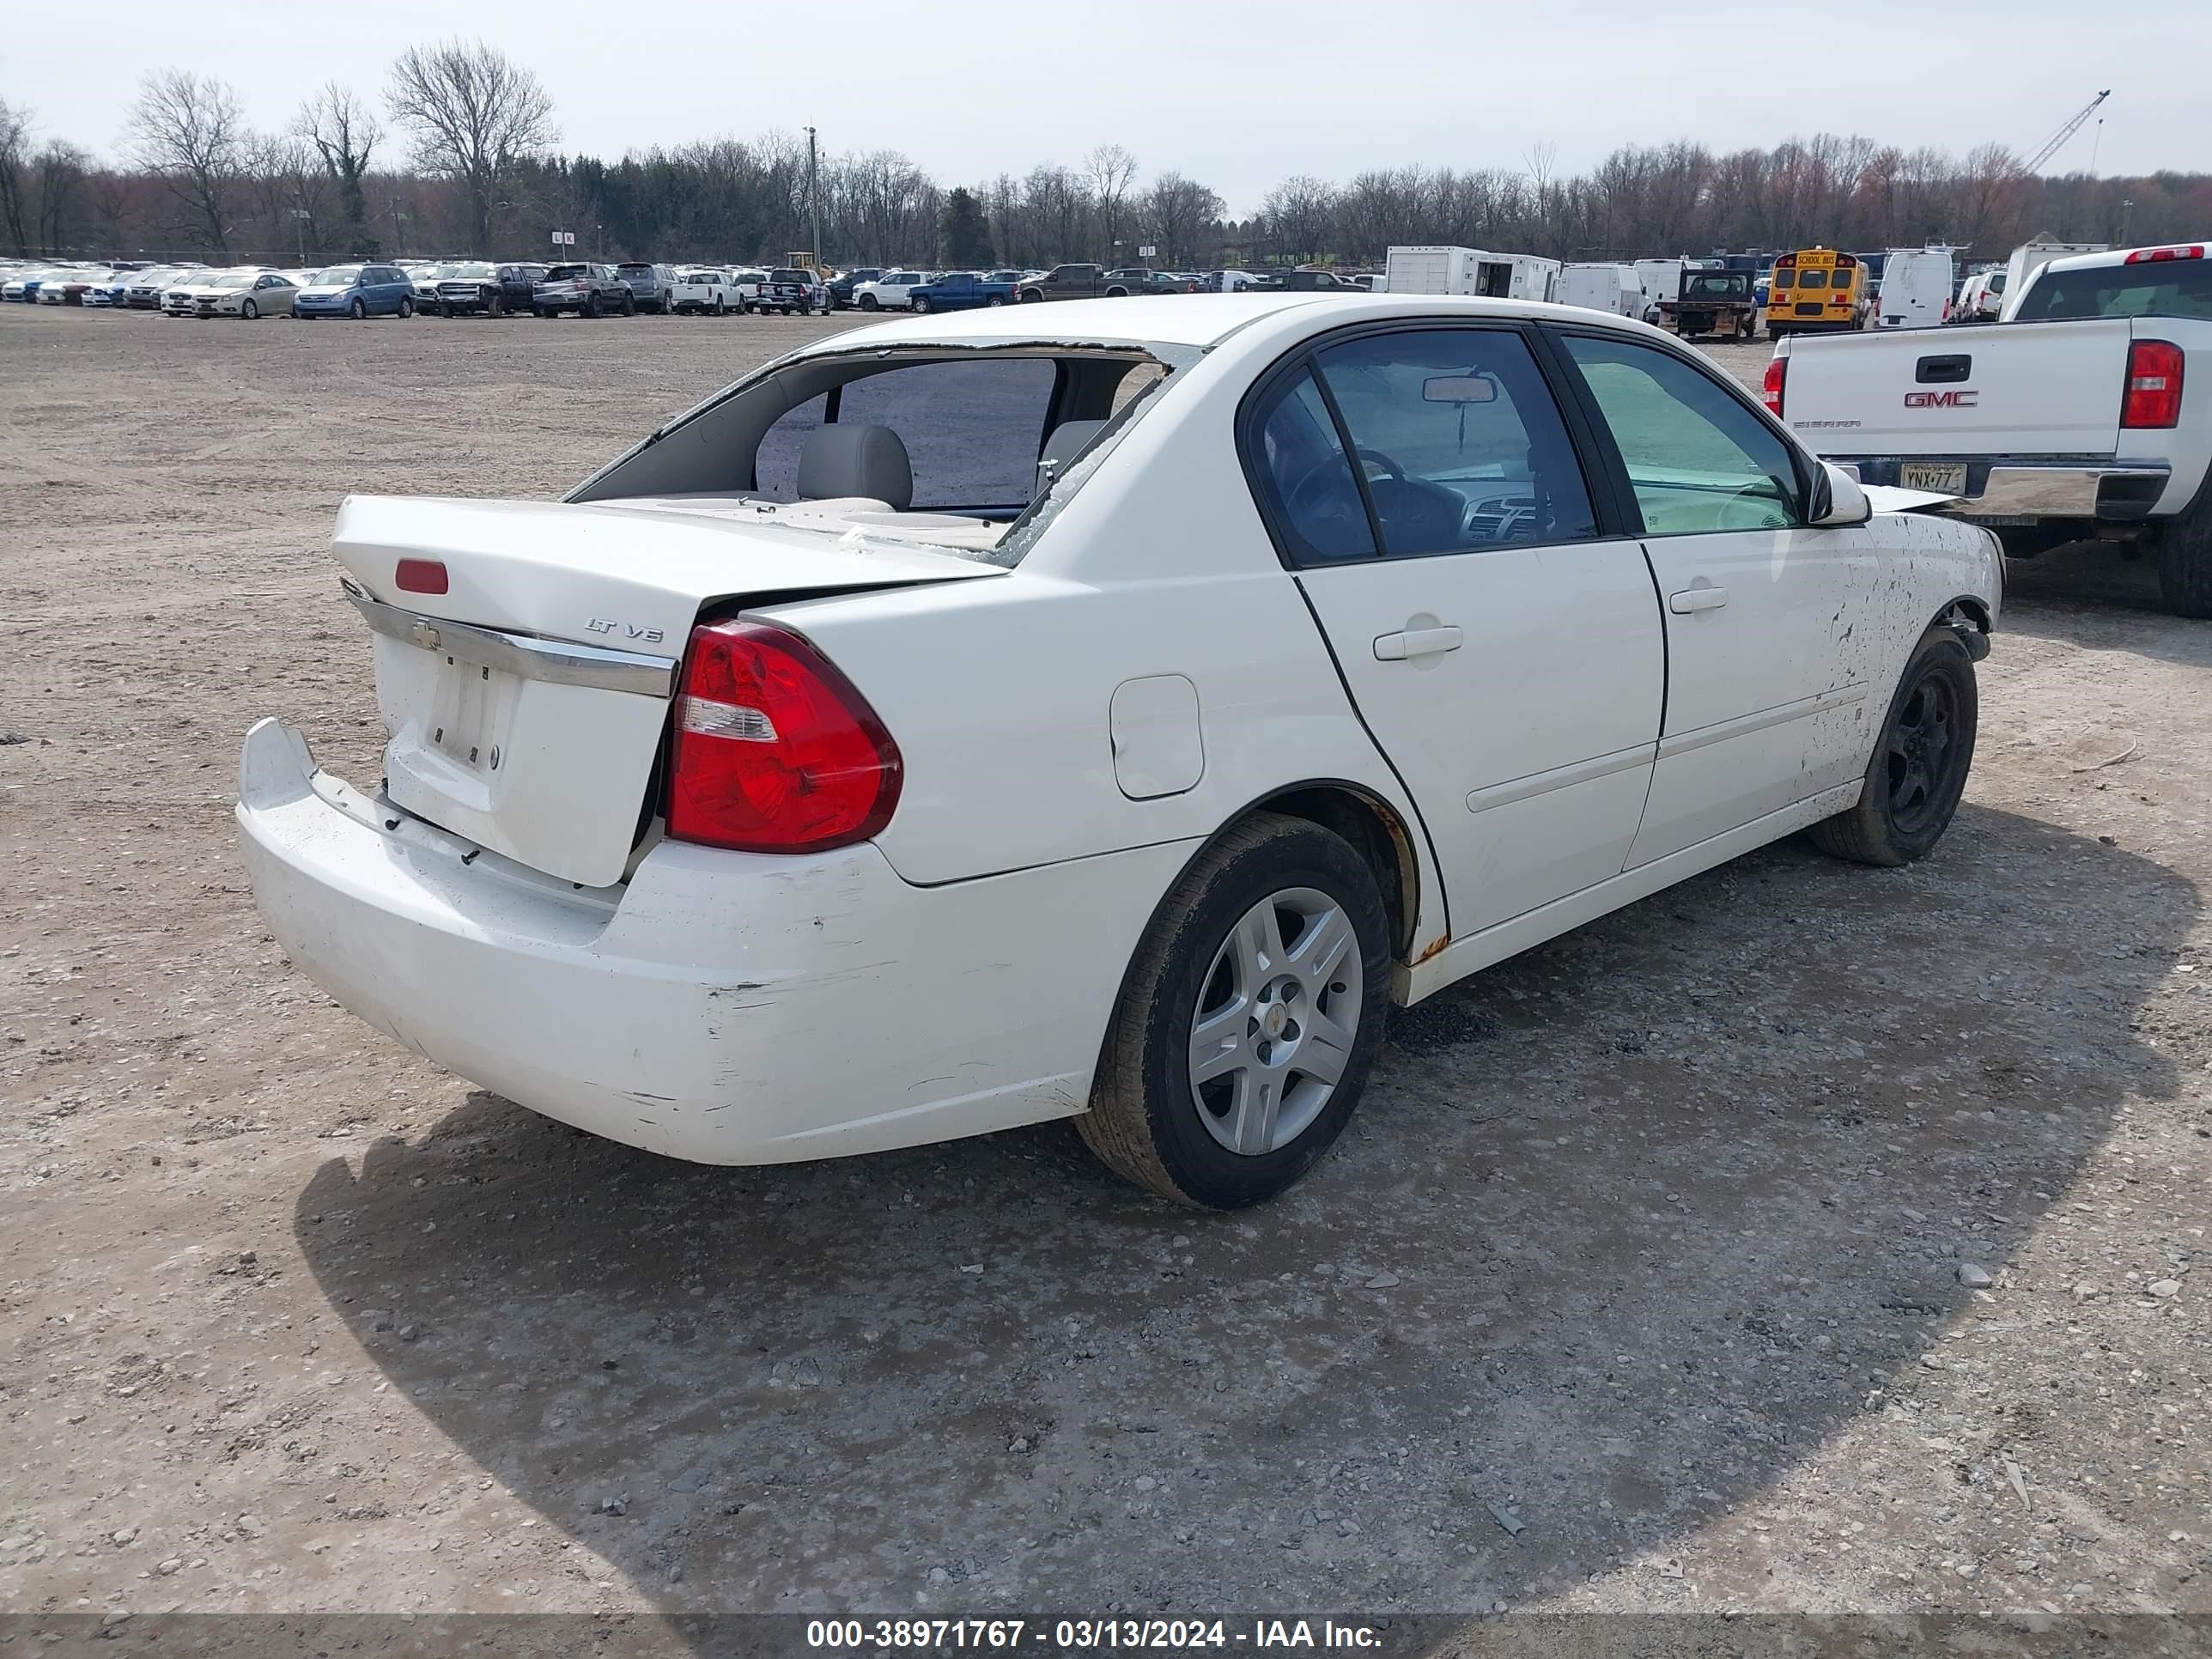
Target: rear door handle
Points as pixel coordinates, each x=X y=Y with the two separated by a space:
x=1690 y=600
x=1416 y=642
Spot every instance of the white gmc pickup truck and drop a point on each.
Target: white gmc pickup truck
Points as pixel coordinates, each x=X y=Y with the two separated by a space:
x=2077 y=418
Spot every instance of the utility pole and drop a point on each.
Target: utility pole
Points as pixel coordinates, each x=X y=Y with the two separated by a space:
x=2127 y=210
x=814 y=198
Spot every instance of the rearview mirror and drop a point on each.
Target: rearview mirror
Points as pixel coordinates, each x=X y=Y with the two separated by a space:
x=1841 y=503
x=1459 y=389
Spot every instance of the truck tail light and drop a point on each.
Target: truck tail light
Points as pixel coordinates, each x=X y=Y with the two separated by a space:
x=2156 y=256
x=2153 y=397
x=1776 y=373
x=775 y=751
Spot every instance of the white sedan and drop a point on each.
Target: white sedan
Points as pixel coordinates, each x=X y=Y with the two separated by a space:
x=1104 y=709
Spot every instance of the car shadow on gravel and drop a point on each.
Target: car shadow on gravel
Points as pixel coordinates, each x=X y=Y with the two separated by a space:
x=1627 y=1227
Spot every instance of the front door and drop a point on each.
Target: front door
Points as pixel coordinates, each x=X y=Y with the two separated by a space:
x=1507 y=658
x=1762 y=707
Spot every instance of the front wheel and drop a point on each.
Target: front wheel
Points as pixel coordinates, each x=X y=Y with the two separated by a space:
x=357 y=310
x=1920 y=760
x=868 y=302
x=249 y=311
x=1248 y=1021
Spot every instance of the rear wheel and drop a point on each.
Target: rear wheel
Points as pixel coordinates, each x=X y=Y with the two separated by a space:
x=922 y=302
x=2184 y=559
x=1248 y=1021
x=407 y=307
x=1920 y=760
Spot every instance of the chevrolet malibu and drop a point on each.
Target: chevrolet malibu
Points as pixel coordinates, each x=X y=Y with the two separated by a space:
x=1105 y=711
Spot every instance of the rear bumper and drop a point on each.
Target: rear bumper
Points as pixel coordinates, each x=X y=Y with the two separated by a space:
x=2024 y=490
x=721 y=1007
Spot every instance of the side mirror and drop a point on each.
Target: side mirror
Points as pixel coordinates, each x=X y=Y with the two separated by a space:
x=1837 y=502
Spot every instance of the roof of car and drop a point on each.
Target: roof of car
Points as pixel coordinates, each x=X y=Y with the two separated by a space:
x=1185 y=320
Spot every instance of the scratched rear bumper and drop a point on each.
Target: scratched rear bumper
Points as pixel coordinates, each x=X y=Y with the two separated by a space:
x=720 y=1007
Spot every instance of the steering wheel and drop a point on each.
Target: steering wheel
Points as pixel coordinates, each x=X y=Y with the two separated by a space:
x=1375 y=458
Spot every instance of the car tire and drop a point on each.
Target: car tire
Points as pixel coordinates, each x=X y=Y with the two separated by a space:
x=921 y=303
x=406 y=309
x=1920 y=762
x=1117 y=293
x=867 y=302
x=630 y=305
x=358 y=309
x=996 y=300
x=247 y=311
x=1150 y=1121
x=1030 y=296
x=2184 y=559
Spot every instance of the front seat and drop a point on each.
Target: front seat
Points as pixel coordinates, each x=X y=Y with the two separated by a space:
x=1066 y=442
x=841 y=461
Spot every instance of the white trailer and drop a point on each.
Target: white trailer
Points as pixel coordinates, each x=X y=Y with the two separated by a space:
x=1471 y=270
x=1599 y=287
x=1916 y=288
x=2031 y=257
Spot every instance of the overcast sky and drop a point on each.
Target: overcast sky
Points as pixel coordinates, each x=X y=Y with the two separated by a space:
x=1235 y=93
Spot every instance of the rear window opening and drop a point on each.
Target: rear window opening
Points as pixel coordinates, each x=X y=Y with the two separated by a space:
x=2176 y=287
x=945 y=446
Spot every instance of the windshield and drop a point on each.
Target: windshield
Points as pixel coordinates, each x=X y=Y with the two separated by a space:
x=338 y=276
x=468 y=270
x=235 y=279
x=2168 y=288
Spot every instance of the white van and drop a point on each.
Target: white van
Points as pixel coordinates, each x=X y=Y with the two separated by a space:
x=1600 y=286
x=2031 y=257
x=1662 y=282
x=1916 y=288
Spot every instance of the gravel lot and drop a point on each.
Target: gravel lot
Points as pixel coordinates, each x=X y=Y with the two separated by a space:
x=1642 y=1281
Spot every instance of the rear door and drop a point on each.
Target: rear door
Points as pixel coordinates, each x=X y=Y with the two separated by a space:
x=1762 y=710
x=1504 y=652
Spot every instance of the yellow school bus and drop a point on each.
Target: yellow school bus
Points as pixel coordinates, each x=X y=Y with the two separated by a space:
x=1815 y=290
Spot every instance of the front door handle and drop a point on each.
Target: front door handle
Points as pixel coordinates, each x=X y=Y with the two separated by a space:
x=1416 y=642
x=1690 y=600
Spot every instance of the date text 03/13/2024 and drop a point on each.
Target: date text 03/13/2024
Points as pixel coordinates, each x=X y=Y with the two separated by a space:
x=936 y=1634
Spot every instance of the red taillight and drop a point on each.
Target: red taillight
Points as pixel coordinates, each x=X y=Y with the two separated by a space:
x=420 y=576
x=775 y=751
x=1776 y=372
x=2153 y=388
x=2154 y=256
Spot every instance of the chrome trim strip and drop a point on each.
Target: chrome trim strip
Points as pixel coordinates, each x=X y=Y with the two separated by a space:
x=2059 y=491
x=1744 y=724
x=521 y=654
x=1529 y=786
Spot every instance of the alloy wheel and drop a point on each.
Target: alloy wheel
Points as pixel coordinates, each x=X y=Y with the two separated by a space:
x=1277 y=1015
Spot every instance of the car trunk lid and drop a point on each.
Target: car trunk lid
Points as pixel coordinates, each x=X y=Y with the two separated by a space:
x=528 y=697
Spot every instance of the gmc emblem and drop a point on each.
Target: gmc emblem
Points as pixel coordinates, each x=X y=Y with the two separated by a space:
x=1941 y=399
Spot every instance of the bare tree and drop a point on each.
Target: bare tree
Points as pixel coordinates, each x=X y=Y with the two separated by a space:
x=190 y=130
x=1110 y=170
x=61 y=175
x=1178 y=211
x=14 y=156
x=345 y=132
x=476 y=113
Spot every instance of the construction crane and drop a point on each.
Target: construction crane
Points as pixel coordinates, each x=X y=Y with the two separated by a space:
x=2057 y=140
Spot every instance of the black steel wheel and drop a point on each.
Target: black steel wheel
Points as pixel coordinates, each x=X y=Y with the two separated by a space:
x=1920 y=763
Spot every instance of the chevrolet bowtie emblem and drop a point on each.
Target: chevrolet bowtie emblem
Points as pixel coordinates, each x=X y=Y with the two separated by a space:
x=425 y=635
